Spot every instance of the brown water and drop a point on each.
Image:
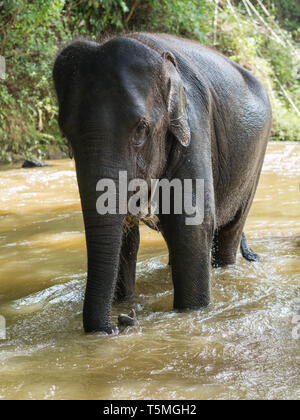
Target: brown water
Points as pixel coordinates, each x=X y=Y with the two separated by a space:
x=241 y=347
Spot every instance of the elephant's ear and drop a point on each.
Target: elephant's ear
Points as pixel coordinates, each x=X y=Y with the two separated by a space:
x=176 y=101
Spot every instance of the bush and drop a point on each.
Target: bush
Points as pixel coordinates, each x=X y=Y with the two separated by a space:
x=32 y=31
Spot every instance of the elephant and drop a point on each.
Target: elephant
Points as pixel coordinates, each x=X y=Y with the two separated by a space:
x=163 y=107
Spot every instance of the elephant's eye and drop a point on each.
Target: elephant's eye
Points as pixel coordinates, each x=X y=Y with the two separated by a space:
x=142 y=125
x=140 y=134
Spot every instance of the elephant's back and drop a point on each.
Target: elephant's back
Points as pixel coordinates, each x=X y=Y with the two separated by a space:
x=223 y=76
x=237 y=101
x=239 y=113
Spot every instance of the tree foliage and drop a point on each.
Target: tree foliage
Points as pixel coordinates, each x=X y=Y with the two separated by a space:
x=32 y=31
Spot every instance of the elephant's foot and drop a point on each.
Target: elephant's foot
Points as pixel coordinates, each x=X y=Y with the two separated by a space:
x=127 y=320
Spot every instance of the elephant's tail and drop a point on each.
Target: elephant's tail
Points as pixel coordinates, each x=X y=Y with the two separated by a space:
x=246 y=251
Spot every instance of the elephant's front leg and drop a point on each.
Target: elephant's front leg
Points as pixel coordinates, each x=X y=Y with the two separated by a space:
x=190 y=254
x=126 y=278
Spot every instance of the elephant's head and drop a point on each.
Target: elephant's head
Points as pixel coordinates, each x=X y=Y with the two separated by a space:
x=122 y=107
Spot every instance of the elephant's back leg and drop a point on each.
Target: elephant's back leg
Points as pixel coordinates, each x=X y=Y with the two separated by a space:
x=227 y=238
x=226 y=241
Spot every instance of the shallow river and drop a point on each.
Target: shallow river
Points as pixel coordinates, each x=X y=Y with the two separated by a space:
x=244 y=346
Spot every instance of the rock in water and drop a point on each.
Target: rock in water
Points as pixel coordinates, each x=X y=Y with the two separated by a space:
x=127 y=320
x=33 y=163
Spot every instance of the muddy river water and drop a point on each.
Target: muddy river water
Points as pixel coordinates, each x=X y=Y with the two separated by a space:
x=245 y=345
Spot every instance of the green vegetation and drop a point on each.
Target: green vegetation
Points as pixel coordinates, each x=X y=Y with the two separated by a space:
x=262 y=36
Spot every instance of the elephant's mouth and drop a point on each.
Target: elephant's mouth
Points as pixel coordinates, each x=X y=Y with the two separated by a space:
x=147 y=216
x=150 y=220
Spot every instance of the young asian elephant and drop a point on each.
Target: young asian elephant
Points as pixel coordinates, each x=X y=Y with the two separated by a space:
x=159 y=107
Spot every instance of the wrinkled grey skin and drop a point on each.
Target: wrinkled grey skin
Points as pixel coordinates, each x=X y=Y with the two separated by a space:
x=159 y=106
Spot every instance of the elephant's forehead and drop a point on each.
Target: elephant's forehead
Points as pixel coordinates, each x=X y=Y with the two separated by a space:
x=128 y=62
x=118 y=78
x=130 y=83
x=128 y=51
x=118 y=91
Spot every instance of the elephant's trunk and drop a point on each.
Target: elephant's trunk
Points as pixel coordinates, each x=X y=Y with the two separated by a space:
x=103 y=240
